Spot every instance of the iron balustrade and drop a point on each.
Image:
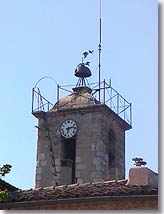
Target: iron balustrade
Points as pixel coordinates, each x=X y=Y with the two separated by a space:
x=110 y=97
x=39 y=103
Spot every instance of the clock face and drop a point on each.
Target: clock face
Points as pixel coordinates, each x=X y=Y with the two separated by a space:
x=68 y=128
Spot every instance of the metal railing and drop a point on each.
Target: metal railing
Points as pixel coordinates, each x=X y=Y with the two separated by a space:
x=39 y=103
x=110 y=97
x=115 y=101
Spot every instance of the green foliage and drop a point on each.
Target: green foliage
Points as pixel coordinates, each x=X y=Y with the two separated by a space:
x=5 y=169
x=3 y=195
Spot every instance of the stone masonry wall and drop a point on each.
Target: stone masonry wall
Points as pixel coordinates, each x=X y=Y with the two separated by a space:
x=92 y=148
x=115 y=147
x=44 y=168
x=92 y=162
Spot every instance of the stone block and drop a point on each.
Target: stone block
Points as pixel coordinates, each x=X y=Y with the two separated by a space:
x=57 y=161
x=100 y=146
x=100 y=153
x=37 y=184
x=38 y=164
x=92 y=147
x=43 y=163
x=96 y=174
x=40 y=156
x=97 y=160
x=58 y=168
x=38 y=170
x=79 y=180
x=106 y=157
x=78 y=174
x=78 y=159
x=99 y=167
x=38 y=177
x=80 y=166
x=97 y=179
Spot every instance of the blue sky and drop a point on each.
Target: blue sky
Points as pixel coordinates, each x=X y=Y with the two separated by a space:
x=46 y=38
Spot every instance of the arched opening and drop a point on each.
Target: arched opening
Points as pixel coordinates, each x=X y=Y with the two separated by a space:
x=68 y=160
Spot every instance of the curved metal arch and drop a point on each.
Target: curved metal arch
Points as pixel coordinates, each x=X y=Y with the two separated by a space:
x=48 y=77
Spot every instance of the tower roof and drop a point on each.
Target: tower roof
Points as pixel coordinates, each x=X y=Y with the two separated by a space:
x=80 y=97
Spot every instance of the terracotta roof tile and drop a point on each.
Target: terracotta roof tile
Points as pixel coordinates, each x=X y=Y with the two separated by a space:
x=111 y=188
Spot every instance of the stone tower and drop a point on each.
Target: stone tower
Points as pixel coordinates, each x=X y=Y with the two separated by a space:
x=79 y=140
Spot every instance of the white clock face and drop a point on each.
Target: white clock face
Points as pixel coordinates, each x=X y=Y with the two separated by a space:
x=68 y=128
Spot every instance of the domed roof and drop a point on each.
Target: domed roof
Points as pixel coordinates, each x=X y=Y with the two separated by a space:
x=80 y=97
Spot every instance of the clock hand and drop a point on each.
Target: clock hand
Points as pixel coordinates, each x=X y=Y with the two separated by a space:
x=71 y=127
x=67 y=129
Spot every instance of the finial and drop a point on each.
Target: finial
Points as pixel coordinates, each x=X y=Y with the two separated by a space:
x=85 y=54
x=139 y=161
x=82 y=71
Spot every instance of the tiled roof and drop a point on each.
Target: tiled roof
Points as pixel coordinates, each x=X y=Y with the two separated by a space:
x=4 y=185
x=108 y=188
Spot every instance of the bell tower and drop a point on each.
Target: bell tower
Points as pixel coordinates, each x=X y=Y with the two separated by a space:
x=81 y=139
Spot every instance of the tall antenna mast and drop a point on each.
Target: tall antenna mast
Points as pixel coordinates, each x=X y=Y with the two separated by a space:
x=99 y=48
